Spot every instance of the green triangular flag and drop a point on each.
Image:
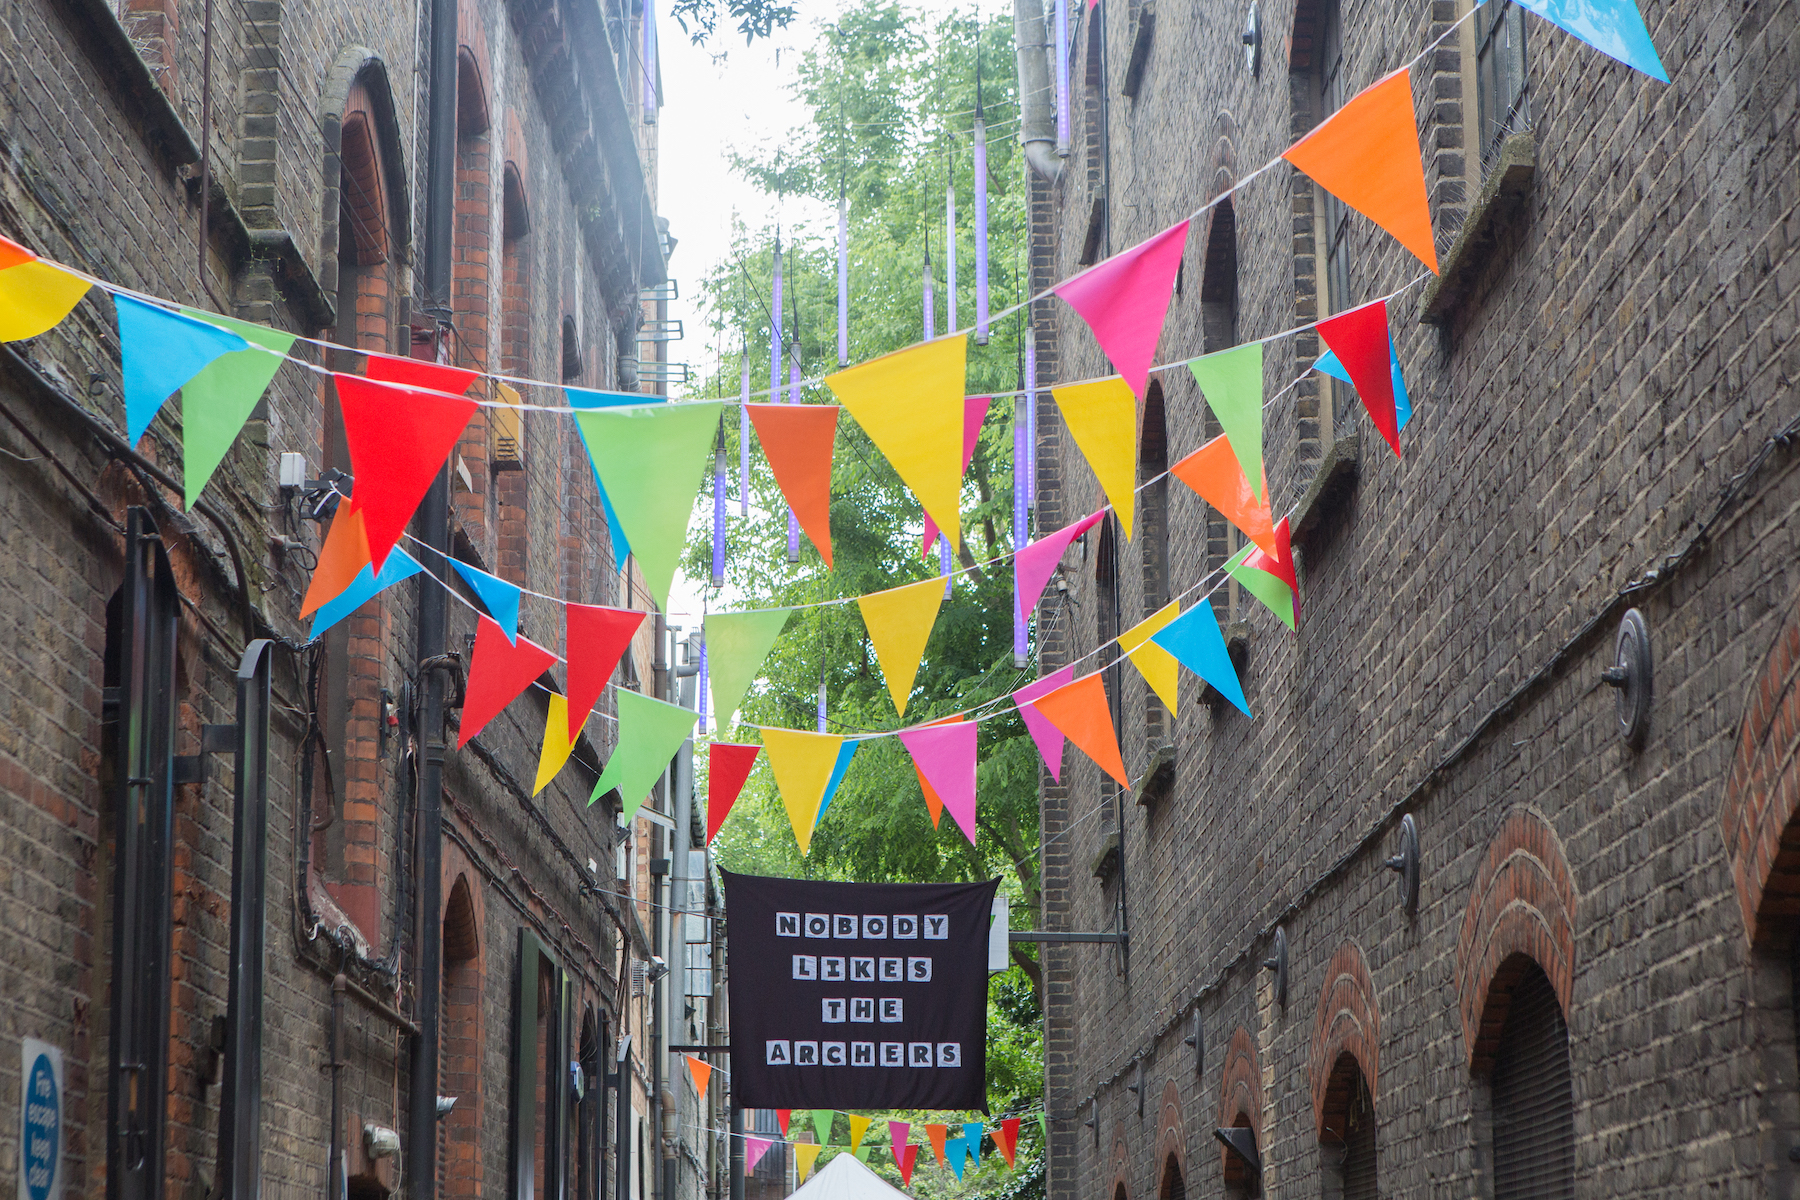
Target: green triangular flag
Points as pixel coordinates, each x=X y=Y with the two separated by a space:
x=821 y=1121
x=862 y=1154
x=650 y=732
x=1044 y=1124
x=1272 y=590
x=1232 y=382
x=216 y=402
x=650 y=461
x=736 y=645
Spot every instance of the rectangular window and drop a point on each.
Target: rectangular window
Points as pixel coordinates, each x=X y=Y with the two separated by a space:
x=1500 y=82
x=1336 y=225
x=540 y=1079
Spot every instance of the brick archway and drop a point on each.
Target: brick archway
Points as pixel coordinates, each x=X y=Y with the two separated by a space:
x=1120 y=1187
x=1171 y=1141
x=1240 y=1094
x=1521 y=906
x=1347 y=1022
x=1762 y=793
x=462 y=1041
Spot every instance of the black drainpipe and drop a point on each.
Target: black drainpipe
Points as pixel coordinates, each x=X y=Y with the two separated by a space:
x=434 y=531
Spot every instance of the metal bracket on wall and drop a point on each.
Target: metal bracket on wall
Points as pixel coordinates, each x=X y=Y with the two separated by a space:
x=214 y=739
x=1631 y=674
x=1278 y=963
x=1406 y=864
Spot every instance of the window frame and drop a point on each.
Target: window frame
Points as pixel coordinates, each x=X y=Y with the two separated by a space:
x=1503 y=76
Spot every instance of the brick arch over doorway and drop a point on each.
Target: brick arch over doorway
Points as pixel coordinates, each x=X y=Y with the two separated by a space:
x=1240 y=1094
x=1171 y=1146
x=1762 y=792
x=1347 y=1022
x=1522 y=906
x=463 y=1038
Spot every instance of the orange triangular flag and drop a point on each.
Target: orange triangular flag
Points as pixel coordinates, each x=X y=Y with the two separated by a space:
x=937 y=1134
x=701 y=1071
x=797 y=440
x=1079 y=710
x=1367 y=155
x=1214 y=472
x=344 y=554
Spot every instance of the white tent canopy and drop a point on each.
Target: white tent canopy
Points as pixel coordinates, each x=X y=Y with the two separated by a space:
x=844 y=1178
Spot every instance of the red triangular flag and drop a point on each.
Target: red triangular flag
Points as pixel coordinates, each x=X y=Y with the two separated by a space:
x=595 y=639
x=781 y=1116
x=341 y=559
x=1079 y=709
x=727 y=766
x=701 y=1071
x=1360 y=340
x=498 y=671
x=906 y=1164
x=797 y=440
x=975 y=411
x=399 y=438
x=419 y=372
x=1009 y=1138
x=1125 y=299
x=1280 y=564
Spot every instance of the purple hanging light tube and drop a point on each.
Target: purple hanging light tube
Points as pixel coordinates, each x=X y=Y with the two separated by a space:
x=701 y=723
x=1062 y=76
x=981 y=229
x=930 y=299
x=794 y=398
x=718 y=547
x=744 y=436
x=775 y=328
x=1031 y=400
x=649 y=64
x=843 y=279
x=950 y=252
x=1021 y=455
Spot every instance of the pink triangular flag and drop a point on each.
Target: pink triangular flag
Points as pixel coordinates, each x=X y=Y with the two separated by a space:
x=1033 y=566
x=945 y=756
x=975 y=411
x=1360 y=340
x=1048 y=737
x=1125 y=299
x=754 y=1149
x=898 y=1132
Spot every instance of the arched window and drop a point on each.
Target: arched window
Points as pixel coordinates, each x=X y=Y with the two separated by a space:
x=1330 y=90
x=571 y=351
x=1530 y=1095
x=475 y=228
x=1093 y=117
x=1243 y=1160
x=1219 y=331
x=511 y=483
x=1174 y=1185
x=1347 y=1138
x=1153 y=535
x=459 y=1064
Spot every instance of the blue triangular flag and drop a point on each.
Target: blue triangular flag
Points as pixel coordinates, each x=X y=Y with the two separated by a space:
x=1195 y=641
x=1613 y=27
x=846 y=752
x=956 y=1150
x=1328 y=363
x=399 y=565
x=159 y=350
x=972 y=1131
x=501 y=597
x=588 y=398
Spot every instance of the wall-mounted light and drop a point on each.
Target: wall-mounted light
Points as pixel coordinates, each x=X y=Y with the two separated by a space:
x=1631 y=675
x=1406 y=864
x=1278 y=963
x=1252 y=41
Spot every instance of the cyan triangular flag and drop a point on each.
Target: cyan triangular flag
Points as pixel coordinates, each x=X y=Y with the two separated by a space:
x=588 y=398
x=501 y=598
x=1196 y=642
x=972 y=1131
x=956 y=1153
x=1614 y=27
x=845 y=753
x=399 y=565
x=159 y=350
x=1328 y=363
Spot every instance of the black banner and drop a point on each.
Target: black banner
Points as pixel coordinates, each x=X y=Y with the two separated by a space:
x=858 y=995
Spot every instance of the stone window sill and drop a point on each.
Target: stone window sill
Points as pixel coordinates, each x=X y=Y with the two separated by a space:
x=1502 y=194
x=1331 y=485
x=1237 y=648
x=1158 y=779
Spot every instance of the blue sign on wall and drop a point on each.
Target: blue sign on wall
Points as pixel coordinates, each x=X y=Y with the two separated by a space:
x=40 y=1120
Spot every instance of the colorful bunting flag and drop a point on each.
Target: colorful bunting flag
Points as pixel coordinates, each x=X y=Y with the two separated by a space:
x=1329 y=364
x=1102 y=417
x=898 y=1132
x=1367 y=155
x=558 y=742
x=344 y=554
x=956 y=1149
x=736 y=645
x=975 y=411
x=1035 y=564
x=34 y=296
x=1155 y=664
x=594 y=638
x=802 y=763
x=1125 y=300
x=420 y=373
x=367 y=584
x=910 y=403
x=754 y=1149
x=727 y=767
x=858 y=1127
x=781 y=1118
x=1008 y=1140
x=1047 y=737
x=822 y=1119
x=1194 y=639
x=972 y=1131
x=905 y=1162
x=399 y=438
x=1044 y=1126
x=899 y=622
x=937 y=1134
x=1213 y=472
x=701 y=1072
x=1363 y=346
x=650 y=461
x=12 y=254
x=1613 y=27
x=945 y=756
x=797 y=439
x=1232 y=383
x=845 y=753
x=500 y=598
x=1269 y=578
x=499 y=670
x=805 y=1155
x=933 y=804
x=861 y=1154
x=1080 y=711
x=587 y=398
x=159 y=350
x=216 y=402
x=650 y=732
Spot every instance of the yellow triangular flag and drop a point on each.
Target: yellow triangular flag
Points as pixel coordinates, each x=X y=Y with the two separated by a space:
x=910 y=403
x=1102 y=418
x=558 y=745
x=858 y=1127
x=899 y=621
x=802 y=763
x=805 y=1155
x=1155 y=664
x=701 y=1071
x=34 y=296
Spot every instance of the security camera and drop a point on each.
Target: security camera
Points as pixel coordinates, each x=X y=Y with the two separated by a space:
x=444 y=1105
x=658 y=968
